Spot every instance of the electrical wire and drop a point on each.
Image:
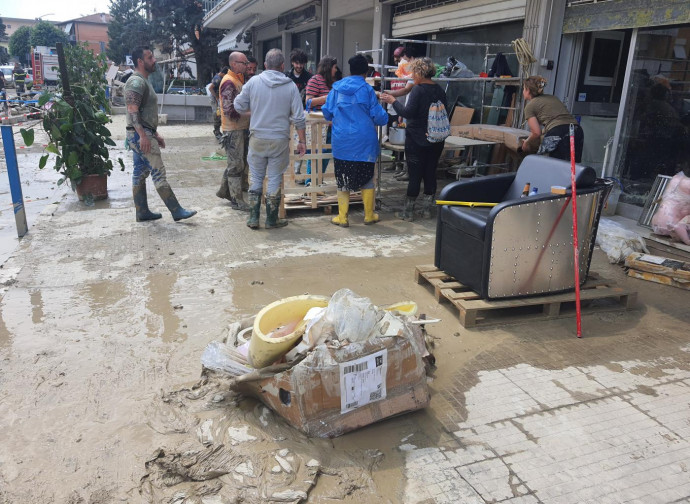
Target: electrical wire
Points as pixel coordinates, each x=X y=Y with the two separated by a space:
x=524 y=54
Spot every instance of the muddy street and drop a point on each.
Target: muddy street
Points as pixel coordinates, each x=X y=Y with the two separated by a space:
x=103 y=322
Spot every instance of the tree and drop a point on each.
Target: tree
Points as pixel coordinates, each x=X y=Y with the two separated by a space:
x=20 y=44
x=128 y=28
x=4 y=55
x=176 y=23
x=47 y=34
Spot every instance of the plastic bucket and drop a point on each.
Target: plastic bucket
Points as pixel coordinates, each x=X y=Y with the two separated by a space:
x=396 y=136
x=265 y=350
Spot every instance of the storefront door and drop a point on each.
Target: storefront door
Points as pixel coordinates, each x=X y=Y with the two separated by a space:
x=655 y=123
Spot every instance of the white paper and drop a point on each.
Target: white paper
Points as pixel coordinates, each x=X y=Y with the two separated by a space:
x=652 y=259
x=363 y=381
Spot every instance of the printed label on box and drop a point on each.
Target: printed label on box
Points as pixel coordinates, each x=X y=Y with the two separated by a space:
x=363 y=381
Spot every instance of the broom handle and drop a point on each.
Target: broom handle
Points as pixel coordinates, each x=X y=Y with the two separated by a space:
x=578 y=315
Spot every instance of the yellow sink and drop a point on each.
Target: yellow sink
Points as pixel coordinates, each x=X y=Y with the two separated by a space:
x=265 y=350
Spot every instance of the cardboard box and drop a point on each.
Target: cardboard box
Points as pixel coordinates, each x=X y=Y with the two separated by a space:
x=461 y=116
x=510 y=137
x=336 y=390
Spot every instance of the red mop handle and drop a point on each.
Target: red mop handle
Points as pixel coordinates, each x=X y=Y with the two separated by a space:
x=575 y=245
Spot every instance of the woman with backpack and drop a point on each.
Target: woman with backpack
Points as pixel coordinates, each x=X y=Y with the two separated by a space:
x=423 y=140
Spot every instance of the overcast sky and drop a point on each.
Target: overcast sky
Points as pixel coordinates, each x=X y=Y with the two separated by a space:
x=52 y=10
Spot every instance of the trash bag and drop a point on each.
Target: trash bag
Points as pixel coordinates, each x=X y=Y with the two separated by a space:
x=456 y=69
x=673 y=216
x=348 y=317
x=618 y=242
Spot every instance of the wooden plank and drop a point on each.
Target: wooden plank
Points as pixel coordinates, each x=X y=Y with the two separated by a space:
x=660 y=279
x=473 y=311
x=664 y=266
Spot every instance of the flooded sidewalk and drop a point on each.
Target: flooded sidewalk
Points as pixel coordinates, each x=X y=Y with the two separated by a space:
x=103 y=321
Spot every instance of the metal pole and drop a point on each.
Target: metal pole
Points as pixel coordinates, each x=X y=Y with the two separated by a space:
x=576 y=255
x=15 y=182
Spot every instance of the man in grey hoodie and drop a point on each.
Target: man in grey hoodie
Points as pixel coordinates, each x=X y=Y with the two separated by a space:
x=275 y=103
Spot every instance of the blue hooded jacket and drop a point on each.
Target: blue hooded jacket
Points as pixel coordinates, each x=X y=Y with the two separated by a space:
x=354 y=109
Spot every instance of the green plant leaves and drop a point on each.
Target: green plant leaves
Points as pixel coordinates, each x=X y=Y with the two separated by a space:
x=42 y=162
x=27 y=136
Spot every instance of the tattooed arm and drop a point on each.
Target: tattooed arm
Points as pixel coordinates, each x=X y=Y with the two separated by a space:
x=133 y=101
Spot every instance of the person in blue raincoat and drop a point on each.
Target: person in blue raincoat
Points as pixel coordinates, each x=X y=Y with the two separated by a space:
x=355 y=111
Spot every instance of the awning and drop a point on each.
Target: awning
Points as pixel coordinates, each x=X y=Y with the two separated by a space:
x=233 y=39
x=457 y=16
x=622 y=14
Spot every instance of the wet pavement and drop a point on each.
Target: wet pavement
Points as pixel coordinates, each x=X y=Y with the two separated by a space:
x=103 y=321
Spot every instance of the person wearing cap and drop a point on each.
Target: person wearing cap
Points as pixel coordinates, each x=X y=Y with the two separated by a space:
x=353 y=108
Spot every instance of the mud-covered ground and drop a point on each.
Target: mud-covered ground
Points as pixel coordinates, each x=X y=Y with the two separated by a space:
x=103 y=322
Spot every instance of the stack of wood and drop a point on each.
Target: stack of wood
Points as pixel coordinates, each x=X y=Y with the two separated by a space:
x=659 y=269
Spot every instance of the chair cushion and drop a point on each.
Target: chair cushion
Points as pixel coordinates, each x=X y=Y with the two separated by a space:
x=543 y=172
x=471 y=221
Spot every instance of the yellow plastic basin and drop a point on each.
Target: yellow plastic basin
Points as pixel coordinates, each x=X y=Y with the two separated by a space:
x=264 y=350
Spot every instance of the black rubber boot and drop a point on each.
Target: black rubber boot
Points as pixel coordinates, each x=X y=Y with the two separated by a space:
x=141 y=204
x=428 y=204
x=408 y=211
x=254 y=209
x=168 y=196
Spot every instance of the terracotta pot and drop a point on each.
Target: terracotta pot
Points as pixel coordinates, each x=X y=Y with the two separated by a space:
x=96 y=185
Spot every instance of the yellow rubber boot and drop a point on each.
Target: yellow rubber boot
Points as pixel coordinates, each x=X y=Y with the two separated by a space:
x=343 y=207
x=369 y=200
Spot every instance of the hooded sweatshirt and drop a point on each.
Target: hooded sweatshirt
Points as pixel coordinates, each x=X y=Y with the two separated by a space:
x=274 y=102
x=355 y=111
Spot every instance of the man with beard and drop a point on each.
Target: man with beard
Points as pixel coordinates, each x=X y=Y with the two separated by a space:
x=145 y=141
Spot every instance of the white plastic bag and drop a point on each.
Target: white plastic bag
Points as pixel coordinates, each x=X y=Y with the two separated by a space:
x=618 y=242
x=348 y=317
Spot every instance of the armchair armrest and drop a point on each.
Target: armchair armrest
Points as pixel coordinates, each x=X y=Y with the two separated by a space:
x=489 y=189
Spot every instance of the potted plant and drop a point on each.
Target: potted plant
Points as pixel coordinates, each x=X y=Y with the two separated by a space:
x=75 y=121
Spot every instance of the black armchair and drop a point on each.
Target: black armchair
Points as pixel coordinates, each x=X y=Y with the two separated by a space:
x=521 y=246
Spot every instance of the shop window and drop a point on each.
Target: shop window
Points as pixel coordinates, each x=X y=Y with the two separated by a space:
x=310 y=42
x=655 y=126
x=267 y=45
x=604 y=58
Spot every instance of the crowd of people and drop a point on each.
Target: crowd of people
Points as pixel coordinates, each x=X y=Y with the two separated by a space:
x=254 y=114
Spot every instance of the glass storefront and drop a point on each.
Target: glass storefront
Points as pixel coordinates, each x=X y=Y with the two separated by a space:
x=469 y=94
x=267 y=45
x=655 y=126
x=310 y=42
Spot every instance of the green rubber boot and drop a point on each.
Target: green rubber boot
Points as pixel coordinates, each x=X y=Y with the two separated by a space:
x=272 y=208
x=254 y=209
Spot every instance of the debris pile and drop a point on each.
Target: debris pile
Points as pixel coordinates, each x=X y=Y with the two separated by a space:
x=329 y=366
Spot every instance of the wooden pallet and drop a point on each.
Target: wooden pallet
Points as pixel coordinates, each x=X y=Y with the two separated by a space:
x=474 y=311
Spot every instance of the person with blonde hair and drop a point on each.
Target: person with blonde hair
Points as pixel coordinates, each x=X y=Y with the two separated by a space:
x=422 y=155
x=547 y=116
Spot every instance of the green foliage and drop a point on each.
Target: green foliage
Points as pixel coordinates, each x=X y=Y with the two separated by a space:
x=128 y=28
x=20 y=44
x=176 y=23
x=4 y=56
x=3 y=28
x=47 y=34
x=77 y=131
x=88 y=71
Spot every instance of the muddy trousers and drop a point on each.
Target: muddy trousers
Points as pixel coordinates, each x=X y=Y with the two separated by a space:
x=267 y=159
x=152 y=164
x=234 y=143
